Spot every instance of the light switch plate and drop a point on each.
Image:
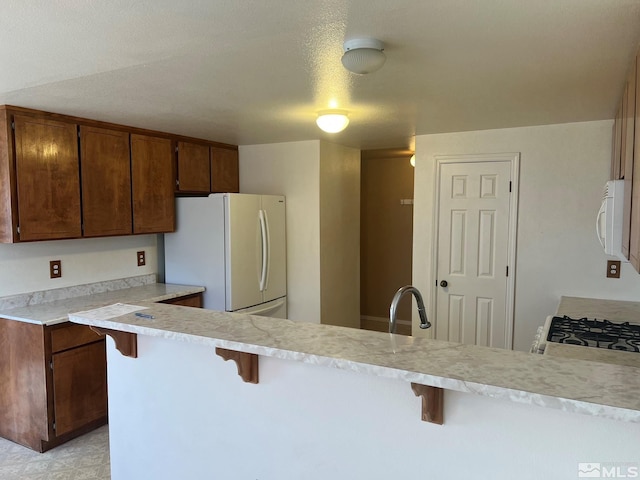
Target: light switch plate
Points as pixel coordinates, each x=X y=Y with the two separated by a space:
x=142 y=258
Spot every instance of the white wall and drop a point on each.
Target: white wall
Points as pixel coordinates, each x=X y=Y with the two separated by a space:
x=24 y=267
x=340 y=235
x=179 y=411
x=562 y=173
x=292 y=169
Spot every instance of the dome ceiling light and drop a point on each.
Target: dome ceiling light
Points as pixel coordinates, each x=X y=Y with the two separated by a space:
x=363 y=55
x=332 y=121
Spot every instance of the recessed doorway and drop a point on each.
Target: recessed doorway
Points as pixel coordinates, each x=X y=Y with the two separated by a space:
x=386 y=236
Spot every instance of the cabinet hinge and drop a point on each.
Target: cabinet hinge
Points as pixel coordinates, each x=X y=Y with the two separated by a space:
x=176 y=149
x=507 y=270
x=177 y=182
x=51 y=365
x=18 y=229
x=509 y=187
x=54 y=426
x=13 y=125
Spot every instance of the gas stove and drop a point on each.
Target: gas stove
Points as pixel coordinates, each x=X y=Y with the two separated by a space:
x=616 y=336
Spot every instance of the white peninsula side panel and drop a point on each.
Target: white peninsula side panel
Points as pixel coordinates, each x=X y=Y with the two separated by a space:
x=180 y=411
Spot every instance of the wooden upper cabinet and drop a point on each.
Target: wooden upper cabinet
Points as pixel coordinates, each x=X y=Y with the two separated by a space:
x=47 y=178
x=70 y=177
x=628 y=158
x=194 y=168
x=152 y=184
x=634 y=240
x=106 y=182
x=225 y=175
x=8 y=195
x=616 y=153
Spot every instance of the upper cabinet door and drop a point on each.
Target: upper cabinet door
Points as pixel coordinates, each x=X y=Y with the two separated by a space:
x=194 y=169
x=106 y=182
x=152 y=184
x=616 y=173
x=224 y=170
x=47 y=175
x=627 y=161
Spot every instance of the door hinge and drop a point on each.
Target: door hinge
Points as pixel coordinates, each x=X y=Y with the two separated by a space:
x=509 y=187
x=507 y=270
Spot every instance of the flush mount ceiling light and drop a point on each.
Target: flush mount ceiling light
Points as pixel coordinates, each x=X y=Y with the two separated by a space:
x=363 y=55
x=332 y=121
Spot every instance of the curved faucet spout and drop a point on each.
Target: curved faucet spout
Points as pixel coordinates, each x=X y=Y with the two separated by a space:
x=424 y=322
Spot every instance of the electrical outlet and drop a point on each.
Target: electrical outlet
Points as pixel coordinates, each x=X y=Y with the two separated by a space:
x=141 y=259
x=613 y=269
x=55 y=269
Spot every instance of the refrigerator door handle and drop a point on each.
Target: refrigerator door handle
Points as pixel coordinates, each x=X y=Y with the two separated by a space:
x=268 y=237
x=265 y=250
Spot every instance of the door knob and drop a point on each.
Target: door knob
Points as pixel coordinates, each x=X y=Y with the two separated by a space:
x=444 y=283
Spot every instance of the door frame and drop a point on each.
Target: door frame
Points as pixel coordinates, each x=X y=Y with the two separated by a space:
x=514 y=159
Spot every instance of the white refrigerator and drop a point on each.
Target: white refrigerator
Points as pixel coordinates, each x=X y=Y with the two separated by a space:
x=234 y=245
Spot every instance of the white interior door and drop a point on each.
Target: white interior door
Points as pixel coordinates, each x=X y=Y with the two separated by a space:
x=473 y=252
x=276 y=280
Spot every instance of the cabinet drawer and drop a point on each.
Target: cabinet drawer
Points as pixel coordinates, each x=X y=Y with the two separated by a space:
x=71 y=336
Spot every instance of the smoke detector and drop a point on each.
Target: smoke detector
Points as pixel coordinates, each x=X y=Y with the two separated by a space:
x=363 y=55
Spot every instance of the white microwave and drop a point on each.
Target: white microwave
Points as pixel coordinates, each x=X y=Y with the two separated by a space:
x=609 y=220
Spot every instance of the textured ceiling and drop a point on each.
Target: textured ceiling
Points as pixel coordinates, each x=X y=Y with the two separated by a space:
x=255 y=71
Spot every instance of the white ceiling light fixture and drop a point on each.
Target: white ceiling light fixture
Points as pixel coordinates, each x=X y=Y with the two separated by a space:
x=363 y=55
x=332 y=121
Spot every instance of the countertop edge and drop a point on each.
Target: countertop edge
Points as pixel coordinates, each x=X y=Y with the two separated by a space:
x=185 y=290
x=583 y=406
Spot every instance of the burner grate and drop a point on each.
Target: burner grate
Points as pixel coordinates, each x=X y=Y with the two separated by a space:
x=595 y=333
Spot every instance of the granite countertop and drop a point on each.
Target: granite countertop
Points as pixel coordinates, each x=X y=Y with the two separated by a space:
x=606 y=390
x=594 y=308
x=53 y=312
x=613 y=310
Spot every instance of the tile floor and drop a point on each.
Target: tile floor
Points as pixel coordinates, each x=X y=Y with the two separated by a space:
x=83 y=458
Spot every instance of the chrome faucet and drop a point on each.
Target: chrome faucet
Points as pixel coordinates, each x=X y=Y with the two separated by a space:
x=424 y=323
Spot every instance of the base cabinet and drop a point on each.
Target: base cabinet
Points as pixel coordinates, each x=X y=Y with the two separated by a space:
x=194 y=300
x=54 y=383
x=79 y=387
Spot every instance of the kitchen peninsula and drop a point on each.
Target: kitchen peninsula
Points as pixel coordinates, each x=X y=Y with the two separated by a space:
x=177 y=410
